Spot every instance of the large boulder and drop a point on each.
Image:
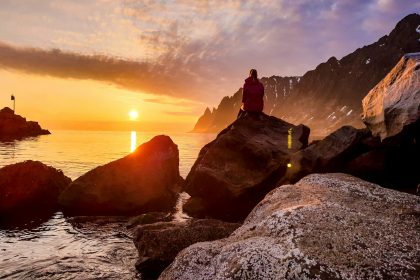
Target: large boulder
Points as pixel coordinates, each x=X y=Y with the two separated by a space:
x=159 y=243
x=330 y=226
x=332 y=153
x=355 y=151
x=394 y=103
x=29 y=187
x=246 y=160
x=143 y=181
x=13 y=126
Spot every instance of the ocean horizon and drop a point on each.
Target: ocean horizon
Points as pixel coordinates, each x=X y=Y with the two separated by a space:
x=77 y=151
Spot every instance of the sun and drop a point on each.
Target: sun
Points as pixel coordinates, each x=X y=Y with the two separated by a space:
x=133 y=114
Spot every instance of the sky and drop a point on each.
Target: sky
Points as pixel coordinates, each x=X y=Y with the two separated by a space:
x=85 y=64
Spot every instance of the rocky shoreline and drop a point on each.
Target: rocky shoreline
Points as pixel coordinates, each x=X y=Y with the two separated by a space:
x=14 y=127
x=265 y=203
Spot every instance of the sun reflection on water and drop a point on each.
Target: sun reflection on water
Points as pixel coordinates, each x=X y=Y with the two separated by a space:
x=133 y=143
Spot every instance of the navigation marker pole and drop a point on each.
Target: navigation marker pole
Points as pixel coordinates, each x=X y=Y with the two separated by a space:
x=14 y=102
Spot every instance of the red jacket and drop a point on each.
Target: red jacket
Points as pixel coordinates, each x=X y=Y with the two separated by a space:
x=252 y=95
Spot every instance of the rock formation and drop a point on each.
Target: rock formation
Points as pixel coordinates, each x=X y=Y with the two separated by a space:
x=394 y=103
x=145 y=180
x=330 y=226
x=329 y=96
x=13 y=126
x=29 y=187
x=246 y=160
x=332 y=153
x=159 y=243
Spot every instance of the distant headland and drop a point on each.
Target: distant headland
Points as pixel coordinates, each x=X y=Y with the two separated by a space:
x=14 y=126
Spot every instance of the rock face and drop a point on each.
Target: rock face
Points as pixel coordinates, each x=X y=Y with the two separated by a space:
x=159 y=243
x=30 y=186
x=332 y=153
x=246 y=160
x=15 y=127
x=145 y=180
x=357 y=152
x=329 y=96
x=395 y=102
x=277 y=90
x=330 y=226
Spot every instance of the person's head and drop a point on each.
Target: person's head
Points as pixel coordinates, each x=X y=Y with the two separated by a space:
x=253 y=73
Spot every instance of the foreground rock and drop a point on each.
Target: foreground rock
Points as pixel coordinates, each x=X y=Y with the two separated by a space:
x=394 y=103
x=330 y=226
x=145 y=180
x=13 y=126
x=159 y=243
x=234 y=172
x=29 y=187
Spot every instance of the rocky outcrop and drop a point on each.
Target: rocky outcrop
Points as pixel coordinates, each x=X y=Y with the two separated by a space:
x=29 y=187
x=357 y=152
x=145 y=180
x=394 y=103
x=13 y=126
x=159 y=243
x=332 y=153
x=329 y=96
x=277 y=90
x=330 y=226
x=246 y=160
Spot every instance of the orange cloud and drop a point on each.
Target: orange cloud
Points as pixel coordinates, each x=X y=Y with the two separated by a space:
x=133 y=75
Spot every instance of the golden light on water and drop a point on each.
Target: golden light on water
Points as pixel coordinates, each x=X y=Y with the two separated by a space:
x=133 y=114
x=133 y=143
x=289 y=139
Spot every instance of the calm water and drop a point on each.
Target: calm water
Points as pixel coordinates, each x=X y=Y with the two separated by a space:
x=59 y=248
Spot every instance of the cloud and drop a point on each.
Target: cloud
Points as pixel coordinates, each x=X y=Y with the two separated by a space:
x=138 y=76
x=177 y=102
x=177 y=113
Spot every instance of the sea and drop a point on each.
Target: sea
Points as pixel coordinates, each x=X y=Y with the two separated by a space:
x=57 y=247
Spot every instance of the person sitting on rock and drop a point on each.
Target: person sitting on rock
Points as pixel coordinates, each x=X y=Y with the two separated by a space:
x=252 y=95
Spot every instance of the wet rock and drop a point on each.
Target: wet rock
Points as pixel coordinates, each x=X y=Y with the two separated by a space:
x=29 y=187
x=329 y=226
x=13 y=126
x=234 y=172
x=159 y=243
x=149 y=218
x=144 y=181
x=394 y=103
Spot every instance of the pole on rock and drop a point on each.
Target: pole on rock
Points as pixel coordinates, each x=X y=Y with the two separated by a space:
x=14 y=102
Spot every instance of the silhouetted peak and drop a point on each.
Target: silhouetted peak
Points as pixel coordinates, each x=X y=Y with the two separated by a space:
x=7 y=110
x=207 y=111
x=411 y=18
x=407 y=25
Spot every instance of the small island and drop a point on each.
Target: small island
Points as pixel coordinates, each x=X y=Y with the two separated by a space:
x=14 y=126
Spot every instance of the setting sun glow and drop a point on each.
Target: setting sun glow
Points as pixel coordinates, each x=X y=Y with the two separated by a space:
x=133 y=114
